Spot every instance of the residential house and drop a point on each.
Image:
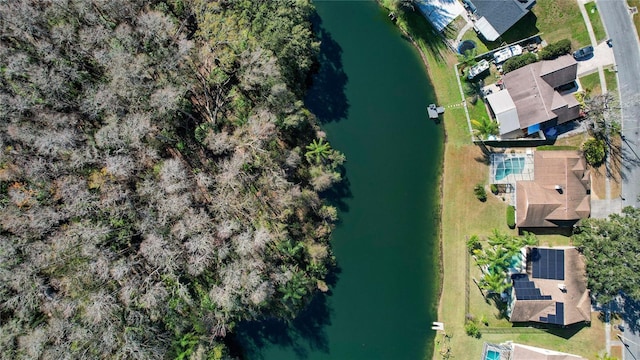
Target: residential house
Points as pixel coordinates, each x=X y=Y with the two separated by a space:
x=559 y=193
x=553 y=290
x=513 y=351
x=440 y=13
x=495 y=17
x=536 y=92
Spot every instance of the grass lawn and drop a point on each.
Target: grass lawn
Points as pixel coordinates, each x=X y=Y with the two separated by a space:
x=596 y=22
x=478 y=110
x=481 y=47
x=591 y=84
x=636 y=17
x=561 y=19
x=463 y=215
x=611 y=80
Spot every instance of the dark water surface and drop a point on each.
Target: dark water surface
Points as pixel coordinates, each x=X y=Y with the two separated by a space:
x=371 y=94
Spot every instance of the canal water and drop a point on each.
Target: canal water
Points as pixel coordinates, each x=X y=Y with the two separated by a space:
x=370 y=96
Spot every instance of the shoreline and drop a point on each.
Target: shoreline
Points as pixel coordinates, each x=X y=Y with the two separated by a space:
x=440 y=281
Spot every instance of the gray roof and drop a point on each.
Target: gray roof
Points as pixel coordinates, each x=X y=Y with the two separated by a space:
x=532 y=89
x=502 y=14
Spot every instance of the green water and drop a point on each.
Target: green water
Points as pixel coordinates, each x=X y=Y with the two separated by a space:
x=371 y=94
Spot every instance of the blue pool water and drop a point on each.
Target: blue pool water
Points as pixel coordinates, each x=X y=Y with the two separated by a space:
x=508 y=167
x=492 y=355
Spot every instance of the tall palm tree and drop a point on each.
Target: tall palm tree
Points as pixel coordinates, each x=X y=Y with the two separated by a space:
x=484 y=127
x=318 y=150
x=495 y=282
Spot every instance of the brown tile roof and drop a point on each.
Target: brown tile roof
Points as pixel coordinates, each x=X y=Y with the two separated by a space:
x=532 y=89
x=540 y=204
x=577 y=304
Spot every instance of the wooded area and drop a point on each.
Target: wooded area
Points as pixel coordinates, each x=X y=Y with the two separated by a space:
x=159 y=175
x=611 y=247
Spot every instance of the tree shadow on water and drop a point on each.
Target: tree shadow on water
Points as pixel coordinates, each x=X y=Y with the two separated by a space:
x=337 y=194
x=326 y=97
x=306 y=333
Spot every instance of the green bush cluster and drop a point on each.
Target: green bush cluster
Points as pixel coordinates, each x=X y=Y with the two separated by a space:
x=472 y=329
x=511 y=217
x=594 y=151
x=480 y=192
x=556 y=49
x=519 y=61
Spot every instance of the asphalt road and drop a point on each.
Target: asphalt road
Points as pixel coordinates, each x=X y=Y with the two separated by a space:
x=626 y=49
x=631 y=345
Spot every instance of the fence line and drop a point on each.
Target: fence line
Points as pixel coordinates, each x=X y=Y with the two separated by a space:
x=466 y=282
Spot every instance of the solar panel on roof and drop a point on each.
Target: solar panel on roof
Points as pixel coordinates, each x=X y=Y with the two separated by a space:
x=559 y=313
x=547 y=263
x=526 y=289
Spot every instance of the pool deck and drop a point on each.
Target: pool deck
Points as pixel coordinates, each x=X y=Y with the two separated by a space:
x=525 y=174
x=511 y=179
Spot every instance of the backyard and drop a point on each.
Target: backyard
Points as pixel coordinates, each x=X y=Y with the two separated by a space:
x=465 y=165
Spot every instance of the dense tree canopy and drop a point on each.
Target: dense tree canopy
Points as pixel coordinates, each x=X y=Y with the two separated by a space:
x=153 y=184
x=519 y=61
x=611 y=247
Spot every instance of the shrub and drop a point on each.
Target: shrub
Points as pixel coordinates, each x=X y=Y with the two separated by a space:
x=471 y=328
x=556 y=147
x=480 y=192
x=511 y=216
x=473 y=243
x=519 y=61
x=556 y=49
x=594 y=151
x=494 y=189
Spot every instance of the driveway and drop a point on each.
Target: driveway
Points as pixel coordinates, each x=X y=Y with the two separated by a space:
x=602 y=56
x=626 y=49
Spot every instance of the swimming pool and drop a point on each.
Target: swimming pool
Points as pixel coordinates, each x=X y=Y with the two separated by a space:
x=492 y=355
x=509 y=166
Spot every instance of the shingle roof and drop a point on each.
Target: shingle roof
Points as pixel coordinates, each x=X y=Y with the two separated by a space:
x=502 y=14
x=540 y=204
x=532 y=89
x=575 y=299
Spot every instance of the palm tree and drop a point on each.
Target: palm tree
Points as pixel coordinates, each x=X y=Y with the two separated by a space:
x=294 y=291
x=318 y=150
x=484 y=127
x=495 y=282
